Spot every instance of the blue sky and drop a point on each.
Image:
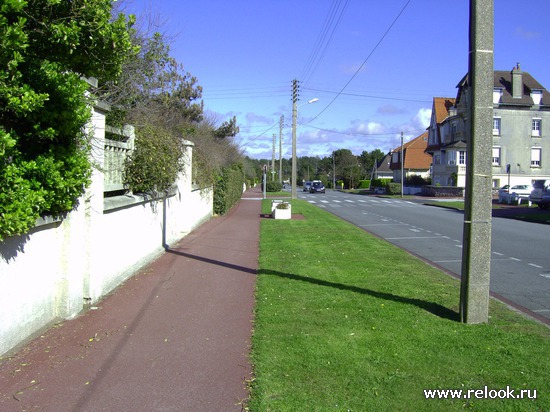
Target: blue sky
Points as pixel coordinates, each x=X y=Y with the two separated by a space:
x=374 y=65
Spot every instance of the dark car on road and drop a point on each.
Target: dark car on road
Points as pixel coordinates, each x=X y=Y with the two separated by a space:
x=317 y=187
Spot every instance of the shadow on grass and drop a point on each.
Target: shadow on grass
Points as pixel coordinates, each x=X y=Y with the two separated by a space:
x=434 y=308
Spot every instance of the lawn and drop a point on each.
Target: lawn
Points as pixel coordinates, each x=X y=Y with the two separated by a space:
x=347 y=322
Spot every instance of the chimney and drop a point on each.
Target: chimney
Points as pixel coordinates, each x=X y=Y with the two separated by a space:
x=517 y=82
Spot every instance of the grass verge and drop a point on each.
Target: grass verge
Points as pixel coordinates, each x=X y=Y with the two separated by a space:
x=347 y=322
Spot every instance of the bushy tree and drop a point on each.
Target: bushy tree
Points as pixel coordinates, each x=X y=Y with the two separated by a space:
x=46 y=48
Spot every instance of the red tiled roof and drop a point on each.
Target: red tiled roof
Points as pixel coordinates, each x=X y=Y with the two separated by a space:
x=415 y=157
x=441 y=105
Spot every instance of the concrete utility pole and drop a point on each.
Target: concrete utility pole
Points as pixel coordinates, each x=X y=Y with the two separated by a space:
x=273 y=159
x=476 y=251
x=281 y=123
x=293 y=193
x=402 y=162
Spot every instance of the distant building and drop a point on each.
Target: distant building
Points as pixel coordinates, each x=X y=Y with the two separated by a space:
x=382 y=168
x=416 y=161
x=521 y=129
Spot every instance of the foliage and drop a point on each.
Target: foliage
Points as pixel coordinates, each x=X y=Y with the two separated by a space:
x=363 y=184
x=46 y=48
x=154 y=177
x=345 y=321
x=417 y=180
x=155 y=90
x=394 y=188
x=228 y=188
x=380 y=182
x=273 y=187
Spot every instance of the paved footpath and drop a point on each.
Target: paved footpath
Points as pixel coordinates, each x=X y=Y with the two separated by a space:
x=175 y=337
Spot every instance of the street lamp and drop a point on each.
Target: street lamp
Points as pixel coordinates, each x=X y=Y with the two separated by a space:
x=293 y=193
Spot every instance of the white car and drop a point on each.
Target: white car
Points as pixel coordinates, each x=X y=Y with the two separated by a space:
x=514 y=193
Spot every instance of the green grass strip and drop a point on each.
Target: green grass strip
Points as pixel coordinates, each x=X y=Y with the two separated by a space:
x=347 y=322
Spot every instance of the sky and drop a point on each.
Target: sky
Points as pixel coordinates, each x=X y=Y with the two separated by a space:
x=375 y=66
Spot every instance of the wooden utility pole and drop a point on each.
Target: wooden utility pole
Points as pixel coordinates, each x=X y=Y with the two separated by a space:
x=476 y=251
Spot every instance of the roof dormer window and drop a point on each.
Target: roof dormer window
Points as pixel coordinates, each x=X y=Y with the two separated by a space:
x=497 y=94
x=536 y=95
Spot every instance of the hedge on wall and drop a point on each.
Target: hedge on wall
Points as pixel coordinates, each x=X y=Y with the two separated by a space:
x=228 y=188
x=47 y=47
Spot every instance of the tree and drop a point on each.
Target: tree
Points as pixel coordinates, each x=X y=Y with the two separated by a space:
x=347 y=167
x=155 y=92
x=368 y=160
x=47 y=47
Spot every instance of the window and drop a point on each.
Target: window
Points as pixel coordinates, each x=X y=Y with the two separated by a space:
x=437 y=159
x=497 y=94
x=462 y=157
x=496 y=126
x=496 y=156
x=535 y=128
x=535 y=157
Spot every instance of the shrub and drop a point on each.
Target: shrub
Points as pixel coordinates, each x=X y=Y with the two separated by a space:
x=380 y=182
x=394 y=188
x=363 y=184
x=154 y=165
x=228 y=188
x=273 y=187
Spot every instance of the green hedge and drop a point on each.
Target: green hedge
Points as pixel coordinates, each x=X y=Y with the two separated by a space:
x=394 y=188
x=228 y=188
x=273 y=187
x=363 y=184
x=380 y=182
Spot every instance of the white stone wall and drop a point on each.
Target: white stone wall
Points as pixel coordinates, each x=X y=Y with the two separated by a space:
x=52 y=272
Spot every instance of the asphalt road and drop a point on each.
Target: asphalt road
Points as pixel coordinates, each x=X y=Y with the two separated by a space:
x=520 y=262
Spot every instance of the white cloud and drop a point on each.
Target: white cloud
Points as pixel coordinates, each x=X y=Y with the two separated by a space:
x=423 y=117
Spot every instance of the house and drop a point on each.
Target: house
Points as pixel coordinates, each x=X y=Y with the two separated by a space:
x=446 y=144
x=416 y=161
x=381 y=169
x=521 y=127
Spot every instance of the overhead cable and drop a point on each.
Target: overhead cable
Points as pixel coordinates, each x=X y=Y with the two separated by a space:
x=364 y=62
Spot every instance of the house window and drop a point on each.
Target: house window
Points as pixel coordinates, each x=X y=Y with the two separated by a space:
x=497 y=94
x=535 y=157
x=496 y=126
x=462 y=157
x=437 y=159
x=535 y=128
x=496 y=156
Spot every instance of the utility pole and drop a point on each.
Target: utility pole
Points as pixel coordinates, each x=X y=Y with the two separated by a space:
x=281 y=123
x=273 y=159
x=402 y=161
x=293 y=193
x=476 y=250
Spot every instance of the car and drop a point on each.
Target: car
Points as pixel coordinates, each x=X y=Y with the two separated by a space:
x=317 y=187
x=540 y=195
x=513 y=194
x=307 y=185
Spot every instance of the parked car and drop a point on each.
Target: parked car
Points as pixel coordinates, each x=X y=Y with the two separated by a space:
x=307 y=185
x=317 y=187
x=540 y=195
x=514 y=193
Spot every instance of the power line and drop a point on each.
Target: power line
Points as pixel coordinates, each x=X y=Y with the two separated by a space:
x=368 y=96
x=362 y=134
x=314 y=58
x=364 y=62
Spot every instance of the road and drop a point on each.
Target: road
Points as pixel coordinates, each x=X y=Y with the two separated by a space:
x=520 y=260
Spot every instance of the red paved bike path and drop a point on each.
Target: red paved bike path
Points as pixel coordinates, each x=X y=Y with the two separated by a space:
x=175 y=337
